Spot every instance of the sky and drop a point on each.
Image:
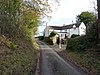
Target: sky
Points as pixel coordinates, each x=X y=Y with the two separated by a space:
x=67 y=11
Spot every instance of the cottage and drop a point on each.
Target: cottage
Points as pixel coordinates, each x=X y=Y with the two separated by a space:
x=75 y=28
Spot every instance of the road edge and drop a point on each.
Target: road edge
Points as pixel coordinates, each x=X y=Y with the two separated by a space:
x=37 y=71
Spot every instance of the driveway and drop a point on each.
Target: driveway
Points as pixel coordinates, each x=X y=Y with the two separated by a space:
x=52 y=64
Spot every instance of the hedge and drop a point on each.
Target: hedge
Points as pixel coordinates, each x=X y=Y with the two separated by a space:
x=78 y=43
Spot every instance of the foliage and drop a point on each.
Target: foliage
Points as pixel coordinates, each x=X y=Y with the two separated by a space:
x=13 y=46
x=77 y=44
x=89 y=62
x=9 y=12
x=41 y=37
x=87 y=17
x=48 y=40
x=92 y=34
x=19 y=19
x=53 y=33
x=17 y=62
x=5 y=41
x=83 y=42
x=74 y=35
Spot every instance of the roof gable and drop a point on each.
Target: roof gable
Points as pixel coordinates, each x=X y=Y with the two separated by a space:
x=82 y=25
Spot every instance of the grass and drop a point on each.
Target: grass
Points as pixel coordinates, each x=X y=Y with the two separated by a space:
x=85 y=60
x=20 y=61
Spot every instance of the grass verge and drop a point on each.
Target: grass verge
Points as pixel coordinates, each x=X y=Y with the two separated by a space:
x=86 y=61
x=19 y=61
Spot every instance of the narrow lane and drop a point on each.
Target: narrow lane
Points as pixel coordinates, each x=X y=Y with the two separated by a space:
x=52 y=64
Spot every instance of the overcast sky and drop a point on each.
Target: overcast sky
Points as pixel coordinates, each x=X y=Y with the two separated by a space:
x=67 y=11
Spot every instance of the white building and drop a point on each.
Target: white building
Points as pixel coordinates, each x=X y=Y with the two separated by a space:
x=76 y=28
x=82 y=29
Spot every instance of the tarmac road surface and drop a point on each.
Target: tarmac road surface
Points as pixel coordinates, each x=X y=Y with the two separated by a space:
x=52 y=64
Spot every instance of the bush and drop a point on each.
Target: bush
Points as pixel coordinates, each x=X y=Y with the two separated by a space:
x=74 y=35
x=53 y=33
x=48 y=40
x=41 y=37
x=91 y=34
x=77 y=44
x=83 y=42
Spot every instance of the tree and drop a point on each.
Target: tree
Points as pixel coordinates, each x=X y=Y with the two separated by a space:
x=9 y=12
x=86 y=17
x=21 y=17
x=91 y=30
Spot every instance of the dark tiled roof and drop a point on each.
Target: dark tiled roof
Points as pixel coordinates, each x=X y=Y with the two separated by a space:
x=56 y=27
x=64 y=27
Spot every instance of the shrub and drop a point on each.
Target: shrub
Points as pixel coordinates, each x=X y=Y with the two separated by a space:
x=41 y=37
x=53 y=33
x=77 y=44
x=74 y=35
x=50 y=41
x=92 y=35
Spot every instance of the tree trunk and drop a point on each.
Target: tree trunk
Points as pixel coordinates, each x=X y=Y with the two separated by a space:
x=98 y=6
